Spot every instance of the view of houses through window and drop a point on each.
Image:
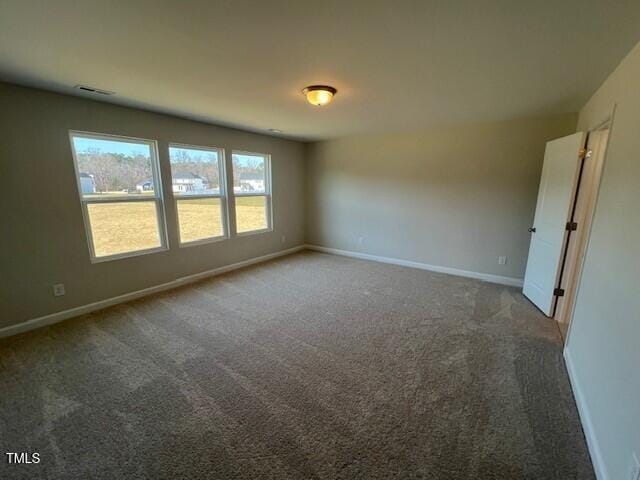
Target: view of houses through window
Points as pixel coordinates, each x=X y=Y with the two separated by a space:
x=196 y=174
x=252 y=191
x=120 y=218
x=124 y=215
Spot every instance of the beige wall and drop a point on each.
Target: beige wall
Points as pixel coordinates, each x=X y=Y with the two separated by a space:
x=43 y=239
x=453 y=197
x=605 y=332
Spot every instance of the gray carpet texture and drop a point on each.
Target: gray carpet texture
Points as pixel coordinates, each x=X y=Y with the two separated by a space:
x=311 y=366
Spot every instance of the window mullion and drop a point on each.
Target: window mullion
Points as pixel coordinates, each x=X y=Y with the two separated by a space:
x=119 y=200
x=196 y=197
x=258 y=194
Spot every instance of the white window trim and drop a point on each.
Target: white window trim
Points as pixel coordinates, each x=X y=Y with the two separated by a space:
x=157 y=197
x=266 y=194
x=222 y=180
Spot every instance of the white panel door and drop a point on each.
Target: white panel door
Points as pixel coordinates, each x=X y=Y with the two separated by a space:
x=555 y=199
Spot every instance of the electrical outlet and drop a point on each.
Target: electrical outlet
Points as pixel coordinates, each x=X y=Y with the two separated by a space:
x=360 y=241
x=635 y=467
x=502 y=260
x=283 y=238
x=58 y=290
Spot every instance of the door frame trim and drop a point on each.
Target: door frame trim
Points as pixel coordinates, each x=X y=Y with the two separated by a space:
x=573 y=289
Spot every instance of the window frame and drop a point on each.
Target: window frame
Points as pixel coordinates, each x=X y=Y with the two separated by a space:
x=222 y=179
x=267 y=194
x=157 y=199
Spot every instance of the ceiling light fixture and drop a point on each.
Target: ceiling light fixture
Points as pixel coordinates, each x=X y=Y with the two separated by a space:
x=319 y=95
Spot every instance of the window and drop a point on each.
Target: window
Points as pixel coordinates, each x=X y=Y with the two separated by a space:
x=119 y=186
x=198 y=184
x=252 y=192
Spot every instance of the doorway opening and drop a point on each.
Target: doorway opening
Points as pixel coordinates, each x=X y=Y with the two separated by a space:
x=579 y=226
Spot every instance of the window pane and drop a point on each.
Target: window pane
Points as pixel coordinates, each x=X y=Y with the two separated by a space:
x=249 y=173
x=199 y=218
x=251 y=213
x=113 y=168
x=123 y=227
x=194 y=171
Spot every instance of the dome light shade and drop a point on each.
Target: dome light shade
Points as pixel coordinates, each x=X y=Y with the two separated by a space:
x=319 y=95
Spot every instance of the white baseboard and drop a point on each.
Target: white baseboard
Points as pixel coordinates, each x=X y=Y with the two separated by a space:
x=487 y=277
x=585 y=418
x=92 y=307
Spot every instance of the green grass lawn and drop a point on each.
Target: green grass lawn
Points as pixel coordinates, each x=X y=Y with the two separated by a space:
x=127 y=226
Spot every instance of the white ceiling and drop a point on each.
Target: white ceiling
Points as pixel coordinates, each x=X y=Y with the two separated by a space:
x=397 y=65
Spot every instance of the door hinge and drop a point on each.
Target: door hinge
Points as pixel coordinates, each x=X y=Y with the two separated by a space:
x=558 y=292
x=572 y=226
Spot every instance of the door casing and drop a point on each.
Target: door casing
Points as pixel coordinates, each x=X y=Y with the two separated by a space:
x=583 y=211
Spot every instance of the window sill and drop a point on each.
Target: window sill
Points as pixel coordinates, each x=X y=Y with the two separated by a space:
x=203 y=241
x=254 y=232
x=137 y=253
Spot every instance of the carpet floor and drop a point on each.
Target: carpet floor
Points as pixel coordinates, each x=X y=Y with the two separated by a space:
x=311 y=366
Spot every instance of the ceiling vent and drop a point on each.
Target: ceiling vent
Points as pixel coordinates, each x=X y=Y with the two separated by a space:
x=98 y=91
